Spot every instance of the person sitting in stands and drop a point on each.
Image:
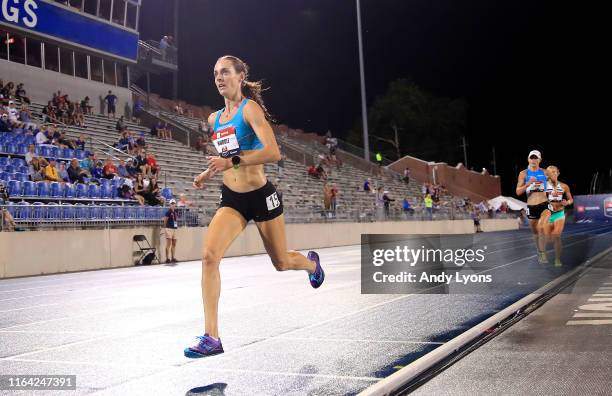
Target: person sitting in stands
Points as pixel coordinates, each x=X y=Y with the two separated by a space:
x=49 y=113
x=30 y=154
x=80 y=142
x=63 y=173
x=97 y=172
x=75 y=173
x=152 y=163
x=36 y=171
x=88 y=163
x=110 y=170
x=51 y=173
x=312 y=171
x=122 y=170
x=131 y=169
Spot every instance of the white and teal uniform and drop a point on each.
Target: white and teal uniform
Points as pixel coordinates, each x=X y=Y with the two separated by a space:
x=555 y=194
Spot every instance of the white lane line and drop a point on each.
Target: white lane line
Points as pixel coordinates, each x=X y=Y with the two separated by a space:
x=593 y=315
x=594 y=322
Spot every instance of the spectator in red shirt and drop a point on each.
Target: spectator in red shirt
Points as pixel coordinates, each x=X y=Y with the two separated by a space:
x=110 y=170
x=152 y=163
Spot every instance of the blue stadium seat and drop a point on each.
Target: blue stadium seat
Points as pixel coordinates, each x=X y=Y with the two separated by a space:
x=106 y=191
x=93 y=191
x=105 y=182
x=3 y=161
x=54 y=152
x=68 y=211
x=22 y=149
x=106 y=212
x=115 y=192
x=54 y=212
x=81 y=211
x=42 y=188
x=18 y=162
x=30 y=139
x=95 y=212
x=10 y=148
x=117 y=182
x=166 y=192
x=23 y=169
x=81 y=190
x=141 y=212
x=14 y=188
x=131 y=212
x=68 y=153
x=118 y=212
x=4 y=176
x=56 y=190
x=39 y=211
x=29 y=188
x=69 y=191
x=24 y=211
x=80 y=154
x=39 y=150
x=9 y=168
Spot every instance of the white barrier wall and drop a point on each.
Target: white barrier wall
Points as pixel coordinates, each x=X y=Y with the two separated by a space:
x=48 y=82
x=49 y=252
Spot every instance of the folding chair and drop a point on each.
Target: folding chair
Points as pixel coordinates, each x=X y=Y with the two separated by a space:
x=146 y=253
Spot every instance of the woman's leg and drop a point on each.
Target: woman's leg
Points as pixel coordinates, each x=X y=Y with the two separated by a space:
x=225 y=226
x=274 y=239
x=557 y=230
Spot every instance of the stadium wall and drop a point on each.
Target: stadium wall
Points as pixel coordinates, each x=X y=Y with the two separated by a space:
x=40 y=85
x=50 y=252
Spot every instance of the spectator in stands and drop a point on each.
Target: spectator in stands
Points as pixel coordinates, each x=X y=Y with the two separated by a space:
x=88 y=163
x=7 y=221
x=156 y=192
x=167 y=131
x=26 y=117
x=163 y=46
x=63 y=141
x=140 y=163
x=327 y=198
x=200 y=144
x=49 y=113
x=30 y=154
x=140 y=141
x=139 y=107
x=77 y=115
x=366 y=185
x=178 y=109
x=75 y=173
x=334 y=198
x=110 y=170
x=408 y=210
x=406 y=177
x=476 y=218
x=111 y=103
x=203 y=127
x=5 y=125
x=13 y=115
x=312 y=171
x=124 y=142
x=80 y=142
x=131 y=169
x=127 y=192
x=63 y=173
x=4 y=194
x=183 y=202
x=428 y=206
x=171 y=224
x=63 y=113
x=155 y=129
x=139 y=186
x=85 y=106
x=322 y=174
x=122 y=170
x=8 y=91
x=153 y=168
x=20 y=93
x=120 y=126
x=42 y=138
x=97 y=172
x=387 y=203
x=51 y=173
x=36 y=172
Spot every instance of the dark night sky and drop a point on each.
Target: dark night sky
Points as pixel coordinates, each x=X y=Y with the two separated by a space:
x=512 y=61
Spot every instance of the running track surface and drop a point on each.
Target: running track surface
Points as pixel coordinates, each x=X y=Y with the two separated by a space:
x=123 y=331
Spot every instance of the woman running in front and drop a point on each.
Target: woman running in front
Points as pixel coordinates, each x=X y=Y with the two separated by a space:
x=533 y=182
x=553 y=219
x=245 y=141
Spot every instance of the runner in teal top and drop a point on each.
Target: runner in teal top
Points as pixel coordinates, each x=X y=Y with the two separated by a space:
x=553 y=219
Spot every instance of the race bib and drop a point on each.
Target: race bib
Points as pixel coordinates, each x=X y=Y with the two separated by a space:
x=273 y=202
x=226 y=143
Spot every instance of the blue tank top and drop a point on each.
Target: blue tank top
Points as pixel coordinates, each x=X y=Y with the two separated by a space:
x=540 y=183
x=247 y=139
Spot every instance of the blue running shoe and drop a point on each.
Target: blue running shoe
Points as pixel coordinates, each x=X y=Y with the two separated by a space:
x=317 y=277
x=206 y=346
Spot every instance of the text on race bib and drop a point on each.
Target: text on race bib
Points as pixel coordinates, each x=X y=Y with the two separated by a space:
x=225 y=142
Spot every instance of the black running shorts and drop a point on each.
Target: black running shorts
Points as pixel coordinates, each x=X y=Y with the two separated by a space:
x=535 y=211
x=262 y=204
